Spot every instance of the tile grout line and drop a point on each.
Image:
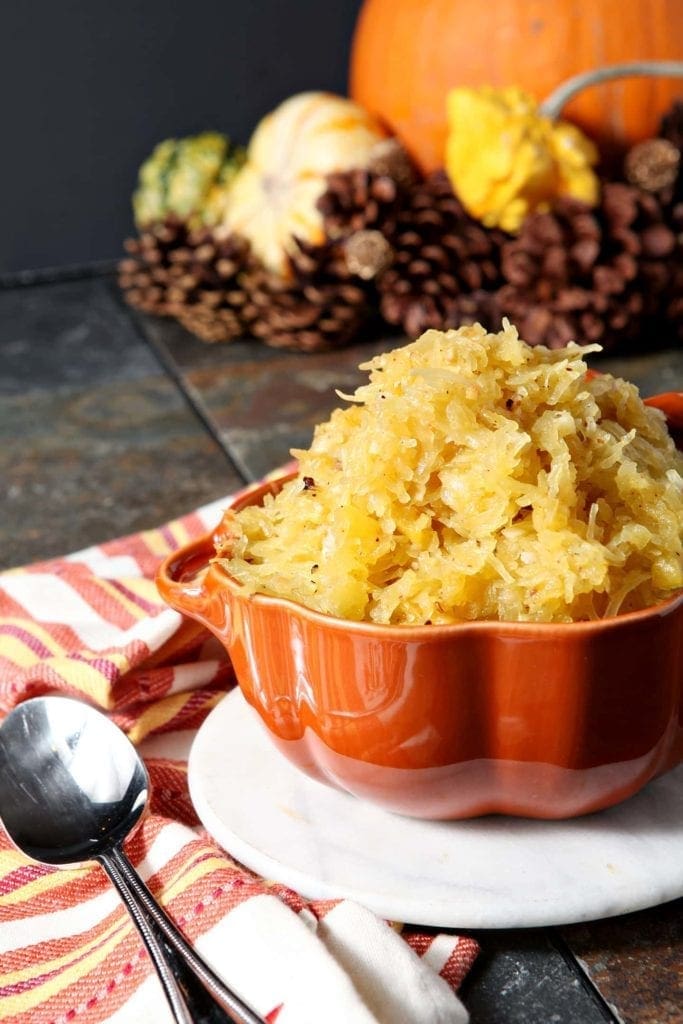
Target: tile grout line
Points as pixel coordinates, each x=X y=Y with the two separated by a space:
x=608 y=1011
x=195 y=404
x=13 y=280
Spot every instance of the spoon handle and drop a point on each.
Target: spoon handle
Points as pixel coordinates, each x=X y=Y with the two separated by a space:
x=236 y=1008
x=169 y=984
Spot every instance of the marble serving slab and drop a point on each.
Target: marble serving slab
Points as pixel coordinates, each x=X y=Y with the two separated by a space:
x=493 y=872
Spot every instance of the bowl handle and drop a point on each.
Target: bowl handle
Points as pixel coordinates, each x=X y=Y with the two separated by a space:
x=181 y=578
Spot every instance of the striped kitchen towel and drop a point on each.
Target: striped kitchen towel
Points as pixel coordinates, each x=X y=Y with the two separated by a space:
x=91 y=625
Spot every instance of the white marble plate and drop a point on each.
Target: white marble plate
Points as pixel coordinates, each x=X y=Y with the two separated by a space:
x=492 y=872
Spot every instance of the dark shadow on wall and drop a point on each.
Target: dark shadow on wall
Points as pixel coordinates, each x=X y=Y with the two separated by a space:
x=88 y=88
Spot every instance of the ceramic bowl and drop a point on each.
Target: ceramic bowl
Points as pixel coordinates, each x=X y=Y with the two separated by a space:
x=539 y=720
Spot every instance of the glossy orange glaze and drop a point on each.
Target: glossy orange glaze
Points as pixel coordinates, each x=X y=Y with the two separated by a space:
x=541 y=720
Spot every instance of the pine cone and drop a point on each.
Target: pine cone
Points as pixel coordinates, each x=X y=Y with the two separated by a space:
x=144 y=276
x=657 y=166
x=671 y=125
x=653 y=165
x=391 y=159
x=446 y=265
x=359 y=200
x=320 y=305
x=672 y=313
x=368 y=198
x=210 y=324
x=588 y=275
x=189 y=274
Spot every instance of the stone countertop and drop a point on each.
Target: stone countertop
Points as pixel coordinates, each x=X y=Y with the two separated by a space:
x=111 y=423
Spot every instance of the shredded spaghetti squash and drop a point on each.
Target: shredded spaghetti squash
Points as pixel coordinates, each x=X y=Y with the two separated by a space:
x=473 y=477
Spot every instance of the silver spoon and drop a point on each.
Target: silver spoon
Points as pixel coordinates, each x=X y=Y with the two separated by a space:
x=72 y=788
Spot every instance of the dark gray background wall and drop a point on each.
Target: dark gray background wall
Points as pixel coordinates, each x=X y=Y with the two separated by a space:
x=89 y=86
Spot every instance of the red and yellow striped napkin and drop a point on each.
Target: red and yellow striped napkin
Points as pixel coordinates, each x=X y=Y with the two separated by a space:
x=91 y=625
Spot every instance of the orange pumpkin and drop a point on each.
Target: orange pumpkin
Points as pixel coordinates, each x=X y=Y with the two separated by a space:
x=407 y=54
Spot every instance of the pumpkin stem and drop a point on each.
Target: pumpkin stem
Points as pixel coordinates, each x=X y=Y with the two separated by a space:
x=552 y=106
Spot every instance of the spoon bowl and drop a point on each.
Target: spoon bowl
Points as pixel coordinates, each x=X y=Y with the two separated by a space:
x=73 y=783
x=73 y=788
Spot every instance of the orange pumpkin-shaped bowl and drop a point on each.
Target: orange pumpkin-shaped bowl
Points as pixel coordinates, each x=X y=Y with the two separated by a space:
x=540 y=720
